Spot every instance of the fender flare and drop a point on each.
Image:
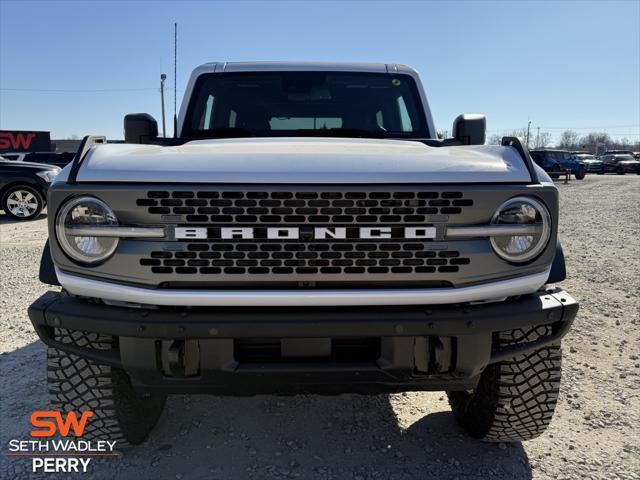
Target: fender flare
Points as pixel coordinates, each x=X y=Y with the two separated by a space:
x=47 y=273
x=558 y=267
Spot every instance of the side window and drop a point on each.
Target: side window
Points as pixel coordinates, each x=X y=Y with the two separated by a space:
x=405 y=119
x=379 y=119
x=205 y=122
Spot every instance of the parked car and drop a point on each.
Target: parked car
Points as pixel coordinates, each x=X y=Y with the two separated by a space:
x=556 y=161
x=48 y=158
x=620 y=164
x=23 y=187
x=15 y=156
x=591 y=163
x=636 y=155
x=618 y=152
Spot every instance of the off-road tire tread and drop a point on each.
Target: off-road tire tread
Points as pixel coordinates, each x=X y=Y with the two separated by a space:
x=515 y=399
x=78 y=384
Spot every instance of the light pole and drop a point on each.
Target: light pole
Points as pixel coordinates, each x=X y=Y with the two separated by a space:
x=528 y=128
x=163 y=77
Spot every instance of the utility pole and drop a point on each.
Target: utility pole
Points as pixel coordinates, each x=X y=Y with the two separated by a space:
x=538 y=139
x=528 y=128
x=163 y=77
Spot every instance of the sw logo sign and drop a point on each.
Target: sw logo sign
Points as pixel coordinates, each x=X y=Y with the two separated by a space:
x=17 y=141
x=50 y=422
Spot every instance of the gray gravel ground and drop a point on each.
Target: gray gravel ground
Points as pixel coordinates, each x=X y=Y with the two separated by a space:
x=595 y=432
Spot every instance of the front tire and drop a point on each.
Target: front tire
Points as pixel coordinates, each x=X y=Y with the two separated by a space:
x=514 y=399
x=22 y=202
x=580 y=173
x=77 y=384
x=620 y=171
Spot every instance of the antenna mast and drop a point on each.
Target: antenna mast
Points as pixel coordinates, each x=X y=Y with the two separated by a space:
x=175 y=79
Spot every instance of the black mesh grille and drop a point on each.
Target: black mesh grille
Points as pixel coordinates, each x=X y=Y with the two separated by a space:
x=305 y=258
x=297 y=207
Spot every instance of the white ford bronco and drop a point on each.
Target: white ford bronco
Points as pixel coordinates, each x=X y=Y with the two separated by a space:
x=305 y=231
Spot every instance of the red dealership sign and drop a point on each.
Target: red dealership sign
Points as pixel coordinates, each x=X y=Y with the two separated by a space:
x=24 y=141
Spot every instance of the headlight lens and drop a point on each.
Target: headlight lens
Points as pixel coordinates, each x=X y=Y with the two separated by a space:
x=522 y=211
x=48 y=175
x=85 y=211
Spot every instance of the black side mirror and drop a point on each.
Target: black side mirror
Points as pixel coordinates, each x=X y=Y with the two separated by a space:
x=139 y=128
x=470 y=128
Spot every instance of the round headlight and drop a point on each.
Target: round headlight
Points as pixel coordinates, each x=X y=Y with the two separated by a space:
x=523 y=211
x=83 y=212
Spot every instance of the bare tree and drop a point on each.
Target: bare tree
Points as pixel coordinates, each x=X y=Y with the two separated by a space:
x=541 y=140
x=596 y=142
x=496 y=138
x=569 y=140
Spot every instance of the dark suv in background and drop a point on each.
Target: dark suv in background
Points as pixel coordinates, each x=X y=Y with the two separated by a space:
x=48 y=158
x=23 y=187
x=620 y=163
x=555 y=162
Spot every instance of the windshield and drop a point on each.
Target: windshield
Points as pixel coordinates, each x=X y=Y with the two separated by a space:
x=624 y=157
x=586 y=157
x=305 y=104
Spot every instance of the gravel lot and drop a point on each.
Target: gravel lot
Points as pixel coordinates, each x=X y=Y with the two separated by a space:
x=595 y=432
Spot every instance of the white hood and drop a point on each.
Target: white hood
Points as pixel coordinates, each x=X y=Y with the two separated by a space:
x=303 y=160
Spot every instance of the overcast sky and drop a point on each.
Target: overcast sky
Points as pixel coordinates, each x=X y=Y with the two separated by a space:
x=77 y=68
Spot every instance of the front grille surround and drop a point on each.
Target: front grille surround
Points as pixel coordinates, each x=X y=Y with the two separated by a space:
x=125 y=265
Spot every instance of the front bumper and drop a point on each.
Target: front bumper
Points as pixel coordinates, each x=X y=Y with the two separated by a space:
x=301 y=297
x=416 y=347
x=594 y=167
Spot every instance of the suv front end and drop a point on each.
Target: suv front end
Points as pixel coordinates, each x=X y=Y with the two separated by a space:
x=410 y=273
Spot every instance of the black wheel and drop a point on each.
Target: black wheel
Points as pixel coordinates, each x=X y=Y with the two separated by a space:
x=619 y=171
x=515 y=399
x=22 y=202
x=77 y=384
x=580 y=173
x=555 y=171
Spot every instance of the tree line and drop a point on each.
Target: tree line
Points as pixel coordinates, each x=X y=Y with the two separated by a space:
x=594 y=142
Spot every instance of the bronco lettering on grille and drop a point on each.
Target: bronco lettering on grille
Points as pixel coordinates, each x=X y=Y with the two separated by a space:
x=296 y=233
